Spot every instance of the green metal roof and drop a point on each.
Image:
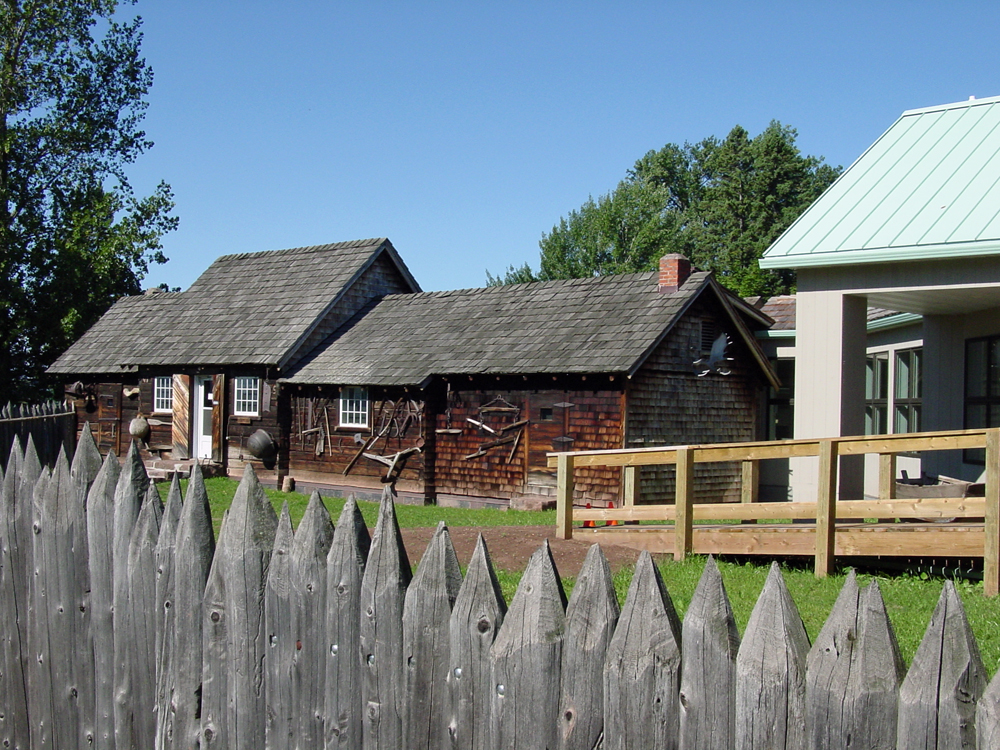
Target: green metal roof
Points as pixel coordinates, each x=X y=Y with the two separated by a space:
x=928 y=188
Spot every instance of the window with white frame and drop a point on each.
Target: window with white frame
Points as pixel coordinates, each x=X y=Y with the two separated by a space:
x=163 y=393
x=893 y=391
x=353 y=406
x=246 y=396
x=907 y=395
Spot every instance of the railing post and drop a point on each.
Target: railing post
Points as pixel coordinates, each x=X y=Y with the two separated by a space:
x=886 y=476
x=750 y=484
x=991 y=547
x=826 y=508
x=684 y=497
x=632 y=485
x=564 y=496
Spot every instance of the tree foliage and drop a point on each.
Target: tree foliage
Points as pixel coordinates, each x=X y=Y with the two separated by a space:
x=73 y=235
x=719 y=202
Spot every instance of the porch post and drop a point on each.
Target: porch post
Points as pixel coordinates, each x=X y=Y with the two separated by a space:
x=991 y=547
x=831 y=337
x=684 y=499
x=564 y=496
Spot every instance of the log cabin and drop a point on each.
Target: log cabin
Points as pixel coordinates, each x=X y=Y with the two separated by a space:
x=329 y=365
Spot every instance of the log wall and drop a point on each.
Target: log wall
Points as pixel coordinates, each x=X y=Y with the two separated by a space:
x=320 y=638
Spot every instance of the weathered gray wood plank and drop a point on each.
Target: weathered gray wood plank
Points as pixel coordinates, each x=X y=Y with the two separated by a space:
x=83 y=472
x=988 y=716
x=100 y=535
x=590 y=623
x=526 y=657
x=853 y=673
x=383 y=591
x=129 y=494
x=52 y=705
x=426 y=617
x=709 y=644
x=475 y=621
x=310 y=549
x=643 y=667
x=215 y=730
x=343 y=705
x=937 y=700
x=193 y=552
x=279 y=730
x=31 y=473
x=771 y=672
x=14 y=730
x=165 y=546
x=878 y=674
x=142 y=619
x=828 y=669
x=242 y=557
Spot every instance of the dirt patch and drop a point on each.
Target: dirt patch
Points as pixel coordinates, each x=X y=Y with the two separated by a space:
x=511 y=546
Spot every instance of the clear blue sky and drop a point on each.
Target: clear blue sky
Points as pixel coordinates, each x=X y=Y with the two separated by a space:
x=463 y=130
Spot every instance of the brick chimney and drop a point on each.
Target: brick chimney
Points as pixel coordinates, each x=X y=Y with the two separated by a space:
x=674 y=270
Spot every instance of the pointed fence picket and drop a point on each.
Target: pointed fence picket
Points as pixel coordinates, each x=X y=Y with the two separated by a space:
x=318 y=638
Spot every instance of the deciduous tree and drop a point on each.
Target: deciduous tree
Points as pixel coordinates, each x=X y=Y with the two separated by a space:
x=73 y=235
x=720 y=202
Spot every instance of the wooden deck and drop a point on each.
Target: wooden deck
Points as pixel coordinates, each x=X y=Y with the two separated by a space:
x=827 y=528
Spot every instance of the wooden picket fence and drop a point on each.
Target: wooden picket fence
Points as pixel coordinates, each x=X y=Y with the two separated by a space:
x=135 y=629
x=51 y=425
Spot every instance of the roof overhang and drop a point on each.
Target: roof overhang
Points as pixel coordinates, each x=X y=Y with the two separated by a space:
x=947 y=251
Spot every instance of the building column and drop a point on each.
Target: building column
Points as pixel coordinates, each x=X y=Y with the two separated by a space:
x=830 y=342
x=943 y=388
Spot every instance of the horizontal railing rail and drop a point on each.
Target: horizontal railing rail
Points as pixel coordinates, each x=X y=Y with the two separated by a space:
x=825 y=510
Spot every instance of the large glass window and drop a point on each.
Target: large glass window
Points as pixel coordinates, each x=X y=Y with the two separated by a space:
x=353 y=407
x=163 y=394
x=908 y=390
x=877 y=393
x=982 y=388
x=247 y=396
x=893 y=391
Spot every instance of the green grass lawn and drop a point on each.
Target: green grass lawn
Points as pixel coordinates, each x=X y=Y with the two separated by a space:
x=909 y=599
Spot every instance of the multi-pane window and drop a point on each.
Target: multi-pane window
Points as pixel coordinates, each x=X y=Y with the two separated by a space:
x=908 y=391
x=982 y=388
x=877 y=393
x=893 y=391
x=247 y=396
x=353 y=406
x=163 y=393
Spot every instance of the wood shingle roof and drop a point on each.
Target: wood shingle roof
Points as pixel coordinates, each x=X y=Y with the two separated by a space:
x=605 y=324
x=247 y=308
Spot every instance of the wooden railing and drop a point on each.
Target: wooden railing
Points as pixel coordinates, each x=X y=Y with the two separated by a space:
x=824 y=511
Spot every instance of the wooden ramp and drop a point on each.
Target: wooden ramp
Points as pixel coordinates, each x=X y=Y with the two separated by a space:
x=825 y=529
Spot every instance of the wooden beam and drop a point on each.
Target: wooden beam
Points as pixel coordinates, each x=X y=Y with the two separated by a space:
x=631 y=481
x=886 y=476
x=991 y=543
x=826 y=508
x=855 y=445
x=750 y=485
x=564 y=497
x=684 y=499
x=931 y=508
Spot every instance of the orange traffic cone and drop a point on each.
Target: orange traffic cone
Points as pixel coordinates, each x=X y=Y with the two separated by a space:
x=588 y=524
x=611 y=506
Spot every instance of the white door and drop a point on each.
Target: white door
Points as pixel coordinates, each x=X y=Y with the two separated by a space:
x=202 y=417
